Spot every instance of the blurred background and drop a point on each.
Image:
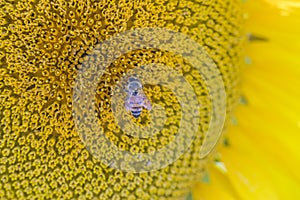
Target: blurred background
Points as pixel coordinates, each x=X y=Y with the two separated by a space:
x=261 y=158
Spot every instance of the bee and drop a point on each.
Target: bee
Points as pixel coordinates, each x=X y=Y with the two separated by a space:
x=136 y=98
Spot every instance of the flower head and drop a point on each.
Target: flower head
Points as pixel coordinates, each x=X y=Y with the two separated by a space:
x=45 y=44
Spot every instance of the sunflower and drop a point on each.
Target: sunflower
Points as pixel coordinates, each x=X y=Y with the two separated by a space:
x=58 y=103
x=260 y=156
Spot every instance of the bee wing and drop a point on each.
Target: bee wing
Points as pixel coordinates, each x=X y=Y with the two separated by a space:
x=146 y=102
x=127 y=103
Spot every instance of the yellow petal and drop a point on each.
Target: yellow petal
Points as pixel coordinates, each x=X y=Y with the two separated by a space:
x=262 y=160
x=219 y=186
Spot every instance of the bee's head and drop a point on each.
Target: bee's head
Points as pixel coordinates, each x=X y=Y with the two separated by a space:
x=134 y=86
x=131 y=79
